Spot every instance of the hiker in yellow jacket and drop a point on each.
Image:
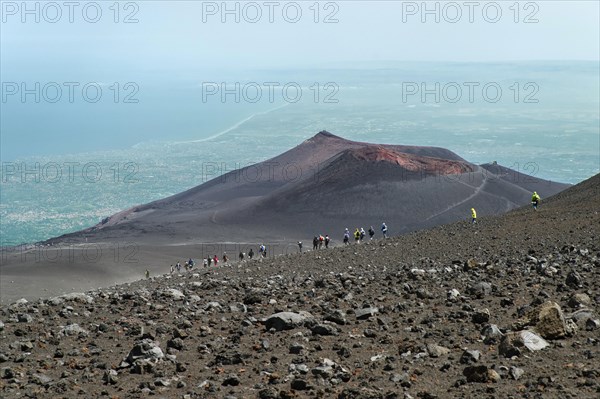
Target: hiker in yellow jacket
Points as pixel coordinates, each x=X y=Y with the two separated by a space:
x=535 y=200
x=473 y=215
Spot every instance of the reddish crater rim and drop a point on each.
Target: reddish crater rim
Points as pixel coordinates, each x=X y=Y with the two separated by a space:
x=415 y=163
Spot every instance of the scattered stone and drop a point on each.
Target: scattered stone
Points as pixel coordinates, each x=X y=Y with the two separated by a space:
x=516 y=372
x=162 y=382
x=26 y=346
x=238 y=308
x=481 y=316
x=480 y=290
x=437 y=350
x=532 y=341
x=324 y=329
x=369 y=333
x=548 y=320
x=175 y=343
x=7 y=372
x=174 y=294
x=296 y=348
x=470 y=356
x=287 y=320
x=423 y=293
x=73 y=329
x=145 y=349
x=20 y=302
x=25 y=318
x=480 y=374
x=231 y=380
x=491 y=334
x=470 y=265
x=453 y=295
x=592 y=324
x=324 y=371
x=72 y=297
x=579 y=300
x=299 y=384
x=574 y=279
x=581 y=316
x=337 y=317
x=110 y=377
x=365 y=313
x=512 y=343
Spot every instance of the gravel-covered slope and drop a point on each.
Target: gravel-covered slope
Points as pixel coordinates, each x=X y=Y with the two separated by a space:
x=447 y=312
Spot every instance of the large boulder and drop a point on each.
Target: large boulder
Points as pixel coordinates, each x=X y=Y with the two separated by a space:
x=145 y=349
x=288 y=320
x=548 y=321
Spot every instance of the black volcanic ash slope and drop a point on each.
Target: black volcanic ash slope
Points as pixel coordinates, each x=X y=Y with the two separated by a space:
x=341 y=184
x=438 y=313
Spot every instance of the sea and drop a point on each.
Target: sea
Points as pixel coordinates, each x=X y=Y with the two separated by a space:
x=67 y=165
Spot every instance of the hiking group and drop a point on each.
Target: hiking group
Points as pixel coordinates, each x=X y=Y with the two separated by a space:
x=360 y=234
x=318 y=242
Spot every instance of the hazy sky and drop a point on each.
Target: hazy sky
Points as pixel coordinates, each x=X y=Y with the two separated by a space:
x=191 y=35
x=167 y=48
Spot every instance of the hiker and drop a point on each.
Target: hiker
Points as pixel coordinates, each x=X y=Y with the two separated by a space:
x=346 y=237
x=315 y=243
x=178 y=267
x=216 y=260
x=262 y=250
x=357 y=236
x=473 y=216
x=205 y=262
x=225 y=258
x=250 y=253
x=241 y=256
x=147 y=273
x=535 y=200
x=321 y=239
x=327 y=239
x=209 y=259
x=172 y=269
x=300 y=246
x=371 y=232
x=384 y=229
x=362 y=234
